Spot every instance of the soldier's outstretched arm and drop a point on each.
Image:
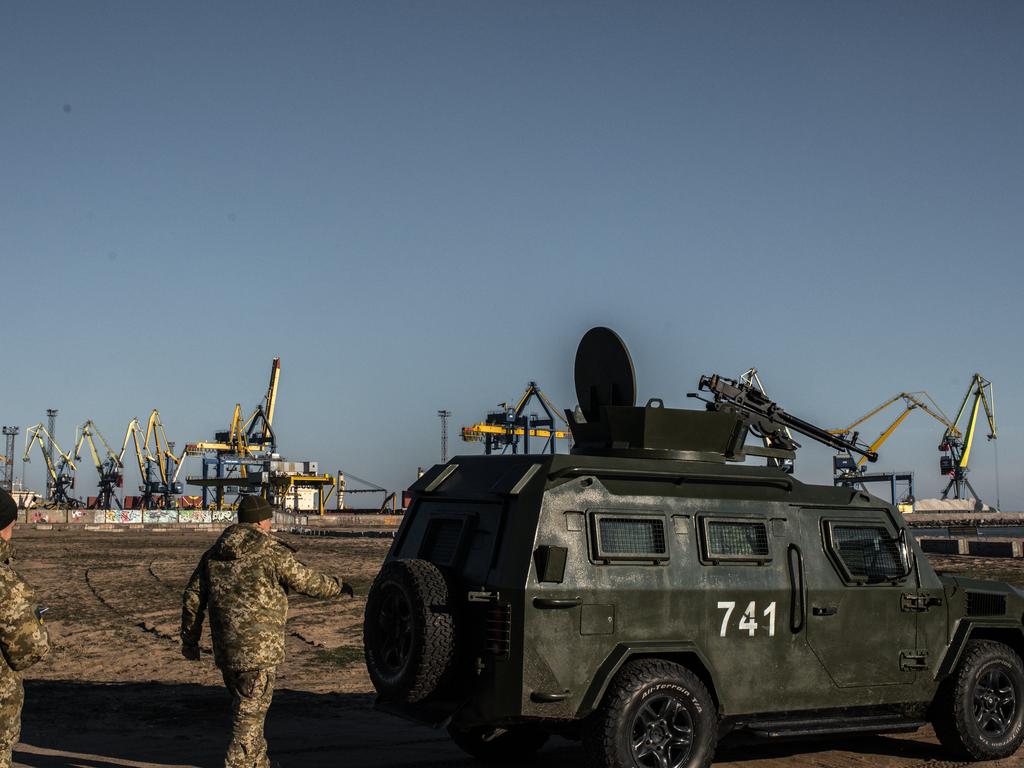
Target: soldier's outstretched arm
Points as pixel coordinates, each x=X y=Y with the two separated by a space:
x=23 y=638
x=307 y=581
x=193 y=606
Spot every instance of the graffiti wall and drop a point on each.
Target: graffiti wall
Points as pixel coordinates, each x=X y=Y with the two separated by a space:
x=122 y=515
x=195 y=516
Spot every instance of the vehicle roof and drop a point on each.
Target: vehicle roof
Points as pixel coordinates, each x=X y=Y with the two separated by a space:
x=478 y=477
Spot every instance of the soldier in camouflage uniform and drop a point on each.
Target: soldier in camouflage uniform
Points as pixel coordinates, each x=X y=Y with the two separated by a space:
x=23 y=638
x=243 y=581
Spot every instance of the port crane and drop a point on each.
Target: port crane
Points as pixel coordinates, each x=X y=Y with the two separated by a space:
x=61 y=472
x=956 y=444
x=850 y=472
x=847 y=467
x=236 y=451
x=110 y=467
x=502 y=429
x=159 y=467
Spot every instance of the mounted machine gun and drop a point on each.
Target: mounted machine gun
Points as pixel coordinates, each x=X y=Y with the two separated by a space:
x=767 y=420
x=61 y=472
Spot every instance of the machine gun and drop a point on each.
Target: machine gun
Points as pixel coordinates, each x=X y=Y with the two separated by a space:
x=767 y=420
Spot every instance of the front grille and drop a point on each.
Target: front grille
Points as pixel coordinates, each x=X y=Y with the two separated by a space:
x=985 y=604
x=498 y=631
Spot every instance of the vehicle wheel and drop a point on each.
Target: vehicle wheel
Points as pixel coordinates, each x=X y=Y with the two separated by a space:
x=408 y=630
x=497 y=745
x=979 y=710
x=656 y=714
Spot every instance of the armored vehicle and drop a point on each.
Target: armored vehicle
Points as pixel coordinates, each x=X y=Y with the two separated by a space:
x=649 y=594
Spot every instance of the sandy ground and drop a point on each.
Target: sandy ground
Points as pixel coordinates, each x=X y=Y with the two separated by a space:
x=116 y=691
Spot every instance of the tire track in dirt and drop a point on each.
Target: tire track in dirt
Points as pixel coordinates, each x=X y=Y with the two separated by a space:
x=149 y=623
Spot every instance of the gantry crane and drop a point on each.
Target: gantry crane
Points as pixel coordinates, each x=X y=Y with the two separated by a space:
x=159 y=467
x=503 y=429
x=912 y=401
x=956 y=444
x=61 y=472
x=242 y=448
x=110 y=467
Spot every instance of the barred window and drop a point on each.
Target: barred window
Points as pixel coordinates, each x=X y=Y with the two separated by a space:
x=441 y=543
x=736 y=540
x=867 y=552
x=630 y=538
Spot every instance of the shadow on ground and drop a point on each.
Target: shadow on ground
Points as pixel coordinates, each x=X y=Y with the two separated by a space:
x=156 y=724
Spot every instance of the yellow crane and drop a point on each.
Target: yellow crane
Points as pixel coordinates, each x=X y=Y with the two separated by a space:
x=159 y=467
x=911 y=401
x=254 y=434
x=956 y=444
x=504 y=428
x=61 y=473
x=243 y=443
x=110 y=467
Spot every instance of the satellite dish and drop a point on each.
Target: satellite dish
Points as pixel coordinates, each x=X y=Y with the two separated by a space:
x=604 y=373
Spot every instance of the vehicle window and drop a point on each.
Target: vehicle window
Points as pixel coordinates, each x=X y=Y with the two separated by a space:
x=867 y=552
x=628 y=537
x=441 y=543
x=735 y=540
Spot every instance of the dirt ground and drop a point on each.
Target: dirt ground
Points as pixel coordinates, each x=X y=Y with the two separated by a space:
x=116 y=692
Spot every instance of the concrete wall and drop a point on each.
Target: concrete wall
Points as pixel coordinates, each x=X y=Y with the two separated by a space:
x=125 y=516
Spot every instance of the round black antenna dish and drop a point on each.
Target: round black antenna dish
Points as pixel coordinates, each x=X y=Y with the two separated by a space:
x=604 y=373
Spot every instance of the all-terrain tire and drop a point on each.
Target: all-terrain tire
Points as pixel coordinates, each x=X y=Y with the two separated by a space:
x=491 y=745
x=408 y=630
x=655 y=712
x=978 y=712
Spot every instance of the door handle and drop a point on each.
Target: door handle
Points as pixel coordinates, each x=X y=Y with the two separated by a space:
x=556 y=602
x=824 y=610
x=797 y=592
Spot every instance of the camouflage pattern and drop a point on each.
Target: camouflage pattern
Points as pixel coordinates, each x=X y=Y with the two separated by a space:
x=243 y=581
x=23 y=642
x=251 y=693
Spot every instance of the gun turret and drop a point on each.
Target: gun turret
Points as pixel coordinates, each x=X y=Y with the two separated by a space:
x=767 y=420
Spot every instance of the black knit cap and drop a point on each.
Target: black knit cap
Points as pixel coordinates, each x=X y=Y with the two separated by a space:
x=8 y=509
x=252 y=509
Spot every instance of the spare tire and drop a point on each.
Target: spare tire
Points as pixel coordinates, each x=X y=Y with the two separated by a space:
x=408 y=630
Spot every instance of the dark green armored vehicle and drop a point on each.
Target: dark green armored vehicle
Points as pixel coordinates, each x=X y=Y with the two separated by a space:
x=649 y=594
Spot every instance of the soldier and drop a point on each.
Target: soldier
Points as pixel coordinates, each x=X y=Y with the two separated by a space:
x=244 y=580
x=23 y=638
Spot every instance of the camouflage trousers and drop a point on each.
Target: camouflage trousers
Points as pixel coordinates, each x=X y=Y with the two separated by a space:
x=12 y=696
x=251 y=693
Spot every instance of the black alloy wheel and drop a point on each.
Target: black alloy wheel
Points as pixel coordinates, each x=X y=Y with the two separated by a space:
x=655 y=714
x=662 y=733
x=395 y=623
x=978 y=711
x=995 y=702
x=409 y=631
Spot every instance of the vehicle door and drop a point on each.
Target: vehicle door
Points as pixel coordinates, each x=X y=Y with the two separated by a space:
x=858 y=623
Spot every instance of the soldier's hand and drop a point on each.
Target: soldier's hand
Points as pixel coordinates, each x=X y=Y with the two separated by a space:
x=346 y=589
x=190 y=652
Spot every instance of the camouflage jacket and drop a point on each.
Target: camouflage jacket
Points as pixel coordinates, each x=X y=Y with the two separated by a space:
x=23 y=638
x=243 y=581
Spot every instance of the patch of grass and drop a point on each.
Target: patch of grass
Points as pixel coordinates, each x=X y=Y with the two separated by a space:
x=342 y=656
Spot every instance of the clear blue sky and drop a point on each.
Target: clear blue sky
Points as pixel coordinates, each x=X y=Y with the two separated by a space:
x=424 y=205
